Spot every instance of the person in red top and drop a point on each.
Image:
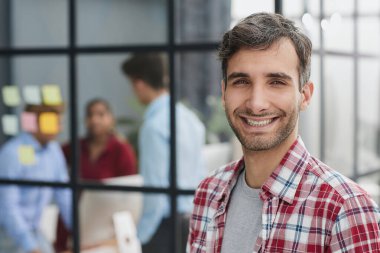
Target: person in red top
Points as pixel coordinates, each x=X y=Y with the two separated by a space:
x=102 y=153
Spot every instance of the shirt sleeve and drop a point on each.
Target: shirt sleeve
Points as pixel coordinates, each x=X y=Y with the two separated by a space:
x=127 y=160
x=154 y=167
x=356 y=228
x=11 y=217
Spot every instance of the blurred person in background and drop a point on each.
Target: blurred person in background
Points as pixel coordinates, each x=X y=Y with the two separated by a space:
x=103 y=153
x=31 y=156
x=147 y=73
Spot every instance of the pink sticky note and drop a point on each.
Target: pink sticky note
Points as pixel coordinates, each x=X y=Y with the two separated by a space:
x=29 y=122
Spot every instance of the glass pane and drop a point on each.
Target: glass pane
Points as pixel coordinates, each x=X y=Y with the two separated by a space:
x=39 y=23
x=211 y=143
x=41 y=70
x=119 y=22
x=369 y=7
x=183 y=219
x=117 y=220
x=339 y=34
x=293 y=8
x=206 y=21
x=241 y=9
x=369 y=35
x=339 y=113
x=310 y=120
x=130 y=136
x=297 y=8
x=27 y=131
x=369 y=106
x=341 y=6
x=44 y=204
x=201 y=21
x=371 y=184
x=311 y=26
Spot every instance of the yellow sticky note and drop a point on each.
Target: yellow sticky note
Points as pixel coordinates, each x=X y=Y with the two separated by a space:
x=49 y=123
x=51 y=94
x=11 y=95
x=26 y=155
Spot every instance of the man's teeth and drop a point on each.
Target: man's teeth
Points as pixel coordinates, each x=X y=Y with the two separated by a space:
x=259 y=123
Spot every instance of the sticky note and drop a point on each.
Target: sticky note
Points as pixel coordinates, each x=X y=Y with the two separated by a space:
x=10 y=124
x=32 y=95
x=26 y=155
x=51 y=94
x=11 y=95
x=49 y=123
x=29 y=122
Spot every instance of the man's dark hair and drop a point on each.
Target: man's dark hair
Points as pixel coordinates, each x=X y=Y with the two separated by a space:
x=149 y=67
x=260 y=31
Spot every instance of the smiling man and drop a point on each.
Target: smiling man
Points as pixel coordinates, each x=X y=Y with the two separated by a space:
x=278 y=197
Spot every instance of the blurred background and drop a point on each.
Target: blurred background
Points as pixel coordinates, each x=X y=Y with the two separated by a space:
x=80 y=45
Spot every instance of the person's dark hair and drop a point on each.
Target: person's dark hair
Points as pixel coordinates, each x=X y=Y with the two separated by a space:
x=149 y=67
x=260 y=31
x=96 y=101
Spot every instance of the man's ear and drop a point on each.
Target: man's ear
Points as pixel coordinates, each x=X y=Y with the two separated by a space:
x=138 y=84
x=223 y=87
x=306 y=93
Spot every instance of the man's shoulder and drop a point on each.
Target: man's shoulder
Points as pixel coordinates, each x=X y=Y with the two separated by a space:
x=332 y=180
x=215 y=183
x=12 y=145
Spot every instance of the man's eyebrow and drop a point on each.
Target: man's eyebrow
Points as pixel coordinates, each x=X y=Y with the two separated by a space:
x=236 y=75
x=281 y=75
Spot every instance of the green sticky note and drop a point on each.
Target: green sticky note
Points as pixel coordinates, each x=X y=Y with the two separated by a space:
x=10 y=124
x=11 y=95
x=26 y=155
x=51 y=94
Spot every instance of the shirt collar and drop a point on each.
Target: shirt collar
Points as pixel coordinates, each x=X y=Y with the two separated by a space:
x=29 y=139
x=156 y=104
x=284 y=180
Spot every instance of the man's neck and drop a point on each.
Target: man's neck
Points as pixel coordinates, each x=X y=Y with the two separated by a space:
x=156 y=94
x=259 y=165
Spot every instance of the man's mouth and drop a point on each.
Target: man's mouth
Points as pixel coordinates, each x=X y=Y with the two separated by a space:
x=259 y=123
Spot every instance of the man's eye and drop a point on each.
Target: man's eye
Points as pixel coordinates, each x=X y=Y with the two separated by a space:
x=240 y=82
x=277 y=83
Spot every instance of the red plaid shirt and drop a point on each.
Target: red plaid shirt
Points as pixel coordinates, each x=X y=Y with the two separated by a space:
x=308 y=207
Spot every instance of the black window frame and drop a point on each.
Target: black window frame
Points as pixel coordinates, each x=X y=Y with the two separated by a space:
x=171 y=47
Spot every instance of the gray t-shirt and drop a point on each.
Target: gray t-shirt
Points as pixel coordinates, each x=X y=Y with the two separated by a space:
x=244 y=220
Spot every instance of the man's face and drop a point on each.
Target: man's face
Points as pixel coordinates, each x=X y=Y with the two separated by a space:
x=140 y=89
x=262 y=99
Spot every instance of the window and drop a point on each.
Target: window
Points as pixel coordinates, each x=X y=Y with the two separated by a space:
x=80 y=44
x=345 y=73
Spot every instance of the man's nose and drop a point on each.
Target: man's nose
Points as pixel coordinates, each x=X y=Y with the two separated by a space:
x=257 y=99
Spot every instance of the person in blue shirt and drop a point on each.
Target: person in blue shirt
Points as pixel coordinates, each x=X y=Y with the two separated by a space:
x=147 y=73
x=21 y=206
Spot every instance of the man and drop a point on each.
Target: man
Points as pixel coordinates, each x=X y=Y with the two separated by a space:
x=147 y=75
x=31 y=156
x=277 y=198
